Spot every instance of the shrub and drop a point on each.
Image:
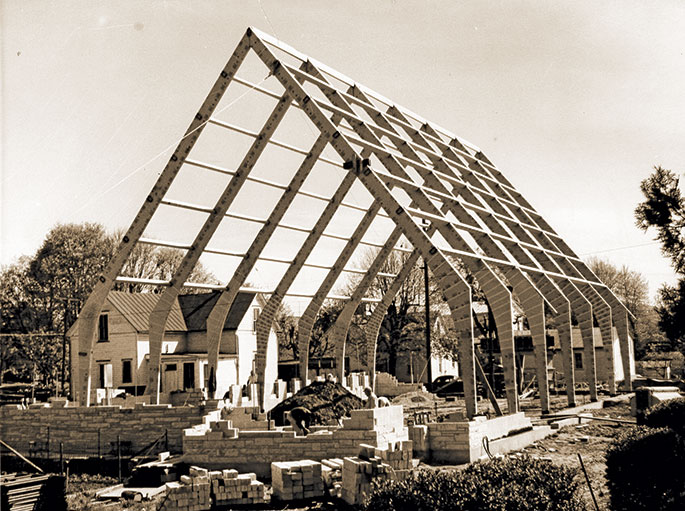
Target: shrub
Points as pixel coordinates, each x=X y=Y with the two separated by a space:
x=667 y=414
x=645 y=470
x=524 y=484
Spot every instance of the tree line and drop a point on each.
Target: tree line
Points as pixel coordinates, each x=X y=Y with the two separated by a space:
x=41 y=295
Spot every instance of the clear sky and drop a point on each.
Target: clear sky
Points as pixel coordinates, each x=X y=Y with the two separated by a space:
x=575 y=101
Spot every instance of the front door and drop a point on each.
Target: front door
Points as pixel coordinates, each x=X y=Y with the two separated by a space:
x=169 y=383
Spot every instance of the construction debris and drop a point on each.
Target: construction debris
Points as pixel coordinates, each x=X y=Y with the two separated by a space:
x=327 y=401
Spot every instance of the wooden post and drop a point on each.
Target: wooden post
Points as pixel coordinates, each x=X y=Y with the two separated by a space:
x=119 y=455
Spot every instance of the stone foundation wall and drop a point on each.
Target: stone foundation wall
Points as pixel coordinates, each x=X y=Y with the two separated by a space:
x=77 y=427
x=216 y=444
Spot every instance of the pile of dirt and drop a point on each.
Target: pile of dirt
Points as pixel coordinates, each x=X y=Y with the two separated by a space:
x=327 y=401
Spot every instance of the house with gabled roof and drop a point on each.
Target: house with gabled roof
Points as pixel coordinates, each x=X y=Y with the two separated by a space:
x=121 y=353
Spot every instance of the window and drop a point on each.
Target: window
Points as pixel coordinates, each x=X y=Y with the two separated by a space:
x=105 y=380
x=255 y=317
x=578 y=358
x=103 y=328
x=126 y=371
x=188 y=375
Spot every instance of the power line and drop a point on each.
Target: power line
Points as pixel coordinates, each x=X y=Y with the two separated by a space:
x=620 y=248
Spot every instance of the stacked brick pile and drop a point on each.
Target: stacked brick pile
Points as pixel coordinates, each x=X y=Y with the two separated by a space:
x=393 y=462
x=191 y=494
x=229 y=487
x=202 y=490
x=331 y=473
x=295 y=480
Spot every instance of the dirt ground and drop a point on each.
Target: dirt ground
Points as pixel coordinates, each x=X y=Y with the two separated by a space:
x=589 y=440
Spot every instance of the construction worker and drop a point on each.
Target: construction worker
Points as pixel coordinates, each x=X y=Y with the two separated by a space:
x=371 y=398
x=300 y=418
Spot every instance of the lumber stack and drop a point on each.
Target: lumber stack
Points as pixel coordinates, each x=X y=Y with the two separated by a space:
x=295 y=480
x=32 y=492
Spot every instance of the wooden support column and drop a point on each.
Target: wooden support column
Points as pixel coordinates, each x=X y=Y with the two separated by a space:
x=602 y=313
x=458 y=295
x=619 y=314
x=82 y=365
x=447 y=275
x=583 y=310
x=373 y=325
x=563 y=323
x=217 y=317
x=269 y=310
x=533 y=304
x=499 y=300
x=160 y=313
x=338 y=332
x=306 y=323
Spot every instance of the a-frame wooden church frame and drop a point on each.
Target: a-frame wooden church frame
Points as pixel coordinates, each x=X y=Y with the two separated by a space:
x=442 y=196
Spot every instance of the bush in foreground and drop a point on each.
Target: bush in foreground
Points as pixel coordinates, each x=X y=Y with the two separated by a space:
x=667 y=414
x=523 y=484
x=645 y=470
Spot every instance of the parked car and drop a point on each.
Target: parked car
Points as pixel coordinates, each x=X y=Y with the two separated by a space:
x=446 y=385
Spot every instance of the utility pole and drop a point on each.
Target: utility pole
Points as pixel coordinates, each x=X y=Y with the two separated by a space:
x=64 y=344
x=429 y=369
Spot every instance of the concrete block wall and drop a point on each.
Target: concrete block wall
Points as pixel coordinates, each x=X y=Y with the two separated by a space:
x=77 y=427
x=216 y=444
x=462 y=441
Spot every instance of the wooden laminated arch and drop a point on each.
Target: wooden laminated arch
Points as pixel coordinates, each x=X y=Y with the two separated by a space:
x=415 y=172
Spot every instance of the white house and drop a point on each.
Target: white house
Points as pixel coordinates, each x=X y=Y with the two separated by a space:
x=122 y=349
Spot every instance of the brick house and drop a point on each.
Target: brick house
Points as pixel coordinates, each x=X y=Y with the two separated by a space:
x=121 y=353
